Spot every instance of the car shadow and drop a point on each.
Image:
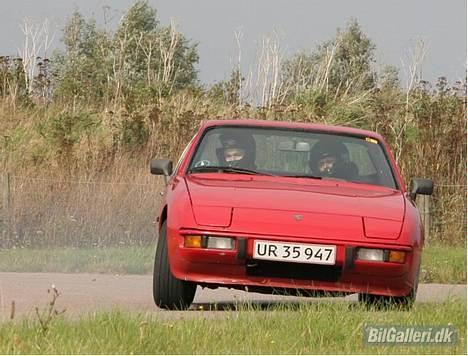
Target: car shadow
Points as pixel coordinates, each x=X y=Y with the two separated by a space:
x=281 y=305
x=257 y=305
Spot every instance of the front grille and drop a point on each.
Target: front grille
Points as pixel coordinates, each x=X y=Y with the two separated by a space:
x=303 y=271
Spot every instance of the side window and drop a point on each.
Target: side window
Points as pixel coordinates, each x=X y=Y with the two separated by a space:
x=184 y=152
x=371 y=163
x=207 y=150
x=359 y=155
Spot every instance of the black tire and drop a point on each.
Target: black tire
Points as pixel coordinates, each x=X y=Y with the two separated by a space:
x=383 y=301
x=168 y=291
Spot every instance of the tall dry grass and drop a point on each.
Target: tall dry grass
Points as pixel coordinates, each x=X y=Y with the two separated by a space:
x=98 y=191
x=448 y=215
x=115 y=209
x=121 y=209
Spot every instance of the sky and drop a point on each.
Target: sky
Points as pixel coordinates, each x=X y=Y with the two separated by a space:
x=394 y=27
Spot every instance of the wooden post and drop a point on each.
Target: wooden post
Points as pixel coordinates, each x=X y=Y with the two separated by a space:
x=6 y=191
x=6 y=205
x=427 y=216
x=424 y=205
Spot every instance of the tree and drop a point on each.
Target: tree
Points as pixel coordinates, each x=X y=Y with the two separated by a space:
x=340 y=66
x=229 y=91
x=13 y=82
x=82 y=71
x=140 y=57
x=352 y=67
x=389 y=78
x=137 y=27
x=157 y=55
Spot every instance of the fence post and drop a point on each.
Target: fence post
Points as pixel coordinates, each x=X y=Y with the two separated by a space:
x=427 y=216
x=6 y=204
x=424 y=205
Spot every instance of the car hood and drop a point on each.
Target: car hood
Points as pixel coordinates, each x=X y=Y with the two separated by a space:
x=302 y=207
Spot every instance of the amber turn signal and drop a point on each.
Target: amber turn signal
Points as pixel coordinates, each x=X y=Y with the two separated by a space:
x=397 y=256
x=193 y=241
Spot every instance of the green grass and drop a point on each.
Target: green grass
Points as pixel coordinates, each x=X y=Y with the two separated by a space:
x=122 y=260
x=440 y=264
x=444 y=264
x=308 y=328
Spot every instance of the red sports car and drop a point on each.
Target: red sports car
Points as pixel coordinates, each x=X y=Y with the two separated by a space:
x=281 y=207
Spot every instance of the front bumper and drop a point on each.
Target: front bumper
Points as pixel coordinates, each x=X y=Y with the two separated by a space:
x=236 y=268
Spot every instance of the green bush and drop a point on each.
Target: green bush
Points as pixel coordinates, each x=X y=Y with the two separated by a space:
x=134 y=133
x=65 y=130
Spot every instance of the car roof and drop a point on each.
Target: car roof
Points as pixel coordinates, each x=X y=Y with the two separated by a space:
x=292 y=125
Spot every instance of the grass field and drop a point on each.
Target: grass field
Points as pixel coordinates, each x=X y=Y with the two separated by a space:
x=441 y=264
x=325 y=327
x=122 y=260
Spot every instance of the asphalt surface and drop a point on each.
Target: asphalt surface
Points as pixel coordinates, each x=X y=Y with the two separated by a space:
x=82 y=294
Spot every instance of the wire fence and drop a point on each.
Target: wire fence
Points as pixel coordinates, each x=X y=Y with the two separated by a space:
x=448 y=214
x=44 y=212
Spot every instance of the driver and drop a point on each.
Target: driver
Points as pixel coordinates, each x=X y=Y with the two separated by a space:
x=330 y=159
x=233 y=154
x=327 y=164
x=237 y=150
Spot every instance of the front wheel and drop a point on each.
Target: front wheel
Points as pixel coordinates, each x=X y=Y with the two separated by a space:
x=168 y=291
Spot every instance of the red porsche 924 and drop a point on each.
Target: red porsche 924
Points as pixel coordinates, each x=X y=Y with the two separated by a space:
x=294 y=208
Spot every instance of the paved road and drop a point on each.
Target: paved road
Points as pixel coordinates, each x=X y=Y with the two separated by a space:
x=85 y=293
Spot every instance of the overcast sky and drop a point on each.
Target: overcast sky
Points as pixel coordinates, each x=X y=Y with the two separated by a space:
x=393 y=26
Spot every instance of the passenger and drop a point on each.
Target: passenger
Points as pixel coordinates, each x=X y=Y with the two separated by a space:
x=331 y=159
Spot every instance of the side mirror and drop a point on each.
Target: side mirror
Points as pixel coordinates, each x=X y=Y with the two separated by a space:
x=161 y=166
x=420 y=186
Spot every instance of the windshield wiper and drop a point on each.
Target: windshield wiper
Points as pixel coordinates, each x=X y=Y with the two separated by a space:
x=303 y=176
x=227 y=169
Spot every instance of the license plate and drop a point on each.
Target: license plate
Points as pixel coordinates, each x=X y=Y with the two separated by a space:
x=294 y=252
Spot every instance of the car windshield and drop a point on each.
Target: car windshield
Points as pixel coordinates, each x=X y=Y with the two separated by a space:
x=292 y=153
